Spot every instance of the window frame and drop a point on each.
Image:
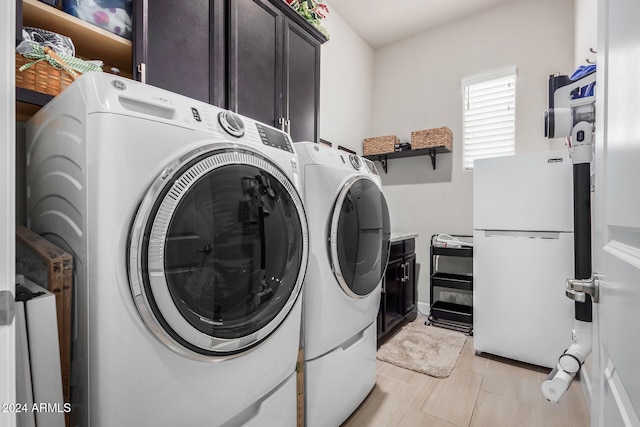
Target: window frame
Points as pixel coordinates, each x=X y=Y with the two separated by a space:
x=505 y=73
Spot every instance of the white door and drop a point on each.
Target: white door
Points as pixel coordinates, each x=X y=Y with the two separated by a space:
x=7 y=211
x=616 y=357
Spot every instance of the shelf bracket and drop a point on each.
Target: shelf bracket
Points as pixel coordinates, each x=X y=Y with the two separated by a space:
x=384 y=162
x=432 y=154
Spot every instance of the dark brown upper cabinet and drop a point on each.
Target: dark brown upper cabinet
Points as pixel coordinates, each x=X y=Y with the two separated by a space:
x=258 y=58
x=180 y=46
x=274 y=66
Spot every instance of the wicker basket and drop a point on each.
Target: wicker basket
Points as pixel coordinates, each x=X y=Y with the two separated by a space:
x=379 y=145
x=41 y=77
x=431 y=138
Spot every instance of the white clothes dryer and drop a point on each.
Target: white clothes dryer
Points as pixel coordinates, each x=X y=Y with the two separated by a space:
x=190 y=246
x=349 y=231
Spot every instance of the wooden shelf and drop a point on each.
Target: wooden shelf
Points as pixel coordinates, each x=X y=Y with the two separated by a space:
x=431 y=152
x=29 y=102
x=91 y=42
x=24 y=111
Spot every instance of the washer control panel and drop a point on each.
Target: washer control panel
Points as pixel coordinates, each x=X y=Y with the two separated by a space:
x=231 y=123
x=355 y=161
x=274 y=138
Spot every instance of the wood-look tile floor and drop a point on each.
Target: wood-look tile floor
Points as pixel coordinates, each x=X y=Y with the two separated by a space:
x=482 y=391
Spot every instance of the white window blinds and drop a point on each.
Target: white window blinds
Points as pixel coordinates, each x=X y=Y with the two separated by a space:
x=489 y=105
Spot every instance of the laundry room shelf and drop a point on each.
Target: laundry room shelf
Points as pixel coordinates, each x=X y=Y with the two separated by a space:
x=90 y=41
x=458 y=252
x=452 y=311
x=451 y=279
x=28 y=102
x=456 y=281
x=385 y=157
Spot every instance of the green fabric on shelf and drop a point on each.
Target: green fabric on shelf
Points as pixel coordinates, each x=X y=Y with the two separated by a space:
x=73 y=64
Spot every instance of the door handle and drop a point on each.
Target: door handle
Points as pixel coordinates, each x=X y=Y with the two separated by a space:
x=578 y=289
x=142 y=71
x=7 y=308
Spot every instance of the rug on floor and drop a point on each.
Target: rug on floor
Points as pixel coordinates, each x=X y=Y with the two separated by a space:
x=426 y=349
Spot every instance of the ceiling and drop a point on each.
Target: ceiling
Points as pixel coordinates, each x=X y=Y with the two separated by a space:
x=382 y=22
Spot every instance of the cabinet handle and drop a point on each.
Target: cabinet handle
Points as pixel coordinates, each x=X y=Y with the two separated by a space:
x=285 y=125
x=142 y=71
x=406 y=277
x=404 y=273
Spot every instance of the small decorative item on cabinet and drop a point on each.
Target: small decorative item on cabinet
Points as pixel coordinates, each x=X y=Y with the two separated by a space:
x=455 y=311
x=313 y=11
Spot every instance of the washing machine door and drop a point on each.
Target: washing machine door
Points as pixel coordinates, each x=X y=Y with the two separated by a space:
x=359 y=236
x=218 y=251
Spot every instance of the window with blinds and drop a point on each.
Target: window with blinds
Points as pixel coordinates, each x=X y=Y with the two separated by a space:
x=489 y=105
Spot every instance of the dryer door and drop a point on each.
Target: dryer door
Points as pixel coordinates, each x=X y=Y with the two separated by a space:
x=218 y=252
x=359 y=237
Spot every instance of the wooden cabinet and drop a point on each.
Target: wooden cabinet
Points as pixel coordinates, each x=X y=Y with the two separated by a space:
x=451 y=290
x=256 y=57
x=274 y=67
x=398 y=299
x=302 y=83
x=180 y=46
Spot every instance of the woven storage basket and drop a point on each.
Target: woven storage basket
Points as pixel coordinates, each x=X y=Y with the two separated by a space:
x=380 y=144
x=431 y=138
x=41 y=77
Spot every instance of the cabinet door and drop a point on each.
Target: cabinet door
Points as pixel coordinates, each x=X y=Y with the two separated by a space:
x=410 y=284
x=255 y=60
x=181 y=45
x=393 y=291
x=302 y=77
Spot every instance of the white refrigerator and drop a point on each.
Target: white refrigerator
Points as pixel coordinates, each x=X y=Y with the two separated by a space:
x=523 y=254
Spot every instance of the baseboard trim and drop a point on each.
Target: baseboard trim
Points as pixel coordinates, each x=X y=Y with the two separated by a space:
x=423 y=308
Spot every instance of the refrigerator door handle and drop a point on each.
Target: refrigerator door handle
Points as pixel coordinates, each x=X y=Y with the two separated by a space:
x=523 y=233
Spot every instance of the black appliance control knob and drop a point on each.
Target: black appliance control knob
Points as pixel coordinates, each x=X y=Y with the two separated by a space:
x=231 y=123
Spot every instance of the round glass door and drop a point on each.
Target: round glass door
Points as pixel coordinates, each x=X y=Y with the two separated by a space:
x=359 y=237
x=218 y=252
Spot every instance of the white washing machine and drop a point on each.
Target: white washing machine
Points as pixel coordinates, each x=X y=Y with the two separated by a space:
x=349 y=232
x=190 y=243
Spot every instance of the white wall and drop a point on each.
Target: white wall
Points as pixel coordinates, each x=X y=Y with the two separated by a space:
x=586 y=23
x=417 y=86
x=346 y=86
